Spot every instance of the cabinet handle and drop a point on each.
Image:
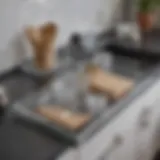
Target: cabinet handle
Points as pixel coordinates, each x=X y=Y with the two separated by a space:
x=144 y=118
x=117 y=141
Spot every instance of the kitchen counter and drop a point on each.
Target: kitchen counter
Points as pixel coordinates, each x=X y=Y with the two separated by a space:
x=19 y=142
x=147 y=46
x=22 y=142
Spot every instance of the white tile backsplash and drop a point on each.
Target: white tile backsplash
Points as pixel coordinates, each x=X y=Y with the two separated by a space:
x=70 y=15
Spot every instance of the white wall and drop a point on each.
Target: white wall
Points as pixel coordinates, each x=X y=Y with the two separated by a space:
x=71 y=15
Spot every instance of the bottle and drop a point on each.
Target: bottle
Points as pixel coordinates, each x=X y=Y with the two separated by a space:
x=77 y=49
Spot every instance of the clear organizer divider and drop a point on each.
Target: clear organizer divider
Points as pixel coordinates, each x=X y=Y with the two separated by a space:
x=68 y=90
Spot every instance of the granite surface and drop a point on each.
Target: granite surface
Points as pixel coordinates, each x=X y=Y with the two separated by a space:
x=147 y=47
x=18 y=142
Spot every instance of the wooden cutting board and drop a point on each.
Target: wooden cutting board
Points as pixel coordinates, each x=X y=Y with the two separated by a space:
x=64 y=117
x=113 y=85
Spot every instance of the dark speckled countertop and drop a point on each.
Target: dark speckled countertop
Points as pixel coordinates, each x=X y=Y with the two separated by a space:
x=20 y=142
x=148 y=46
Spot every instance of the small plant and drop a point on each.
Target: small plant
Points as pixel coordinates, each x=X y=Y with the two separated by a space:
x=145 y=13
x=147 y=5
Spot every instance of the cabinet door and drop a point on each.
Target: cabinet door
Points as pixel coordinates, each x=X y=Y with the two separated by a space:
x=138 y=128
x=116 y=144
x=156 y=124
x=126 y=149
x=143 y=135
x=104 y=144
x=116 y=141
x=146 y=134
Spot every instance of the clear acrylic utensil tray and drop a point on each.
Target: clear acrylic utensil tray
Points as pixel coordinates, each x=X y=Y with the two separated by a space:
x=67 y=91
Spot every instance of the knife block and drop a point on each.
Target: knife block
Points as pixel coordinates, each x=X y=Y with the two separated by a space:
x=42 y=40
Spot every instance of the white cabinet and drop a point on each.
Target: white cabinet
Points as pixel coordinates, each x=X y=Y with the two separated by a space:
x=127 y=122
x=115 y=141
x=146 y=135
x=143 y=125
x=143 y=137
x=129 y=135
